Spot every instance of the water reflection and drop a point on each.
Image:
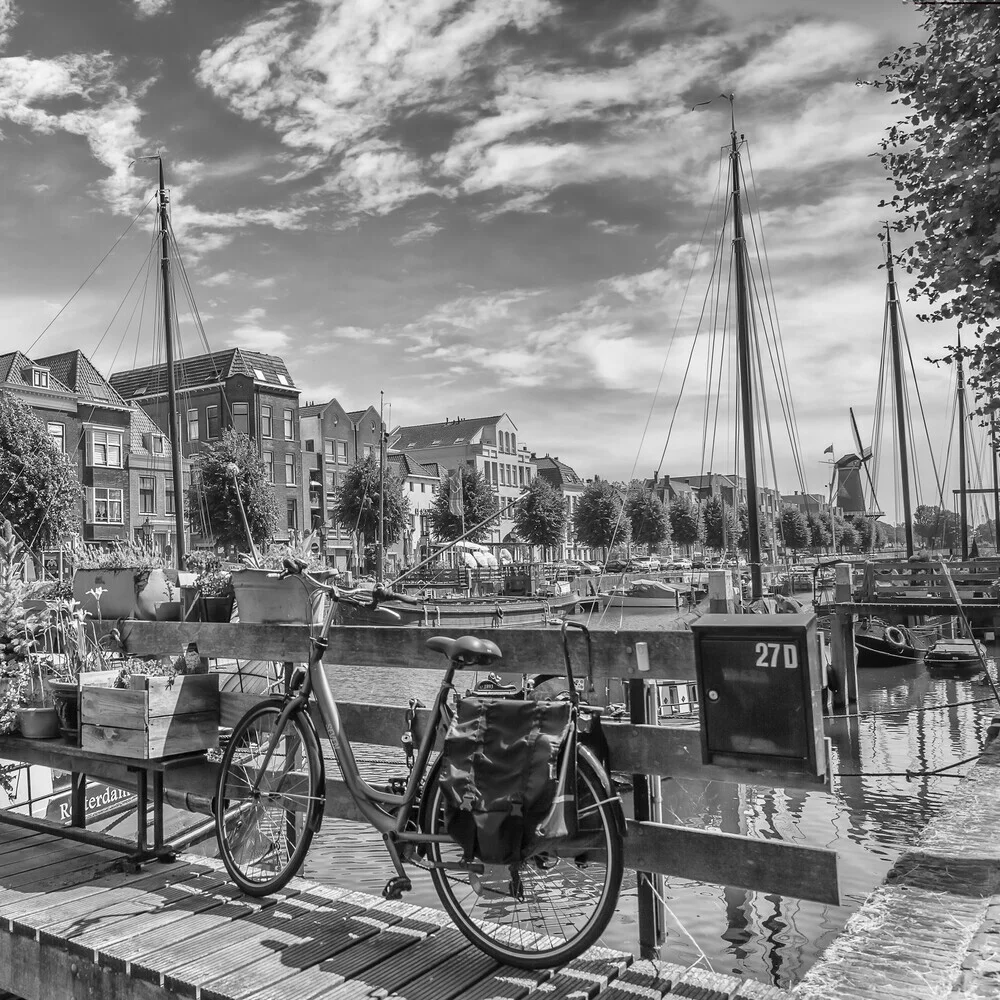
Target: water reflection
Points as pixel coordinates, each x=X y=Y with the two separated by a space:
x=869 y=820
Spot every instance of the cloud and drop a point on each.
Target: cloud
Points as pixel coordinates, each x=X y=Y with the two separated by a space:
x=217 y=279
x=150 y=8
x=422 y=232
x=8 y=18
x=107 y=118
x=251 y=334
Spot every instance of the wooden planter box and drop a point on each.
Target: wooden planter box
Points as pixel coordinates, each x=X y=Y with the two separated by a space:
x=154 y=717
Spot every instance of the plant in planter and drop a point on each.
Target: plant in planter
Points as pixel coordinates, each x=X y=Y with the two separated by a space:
x=262 y=597
x=129 y=576
x=215 y=591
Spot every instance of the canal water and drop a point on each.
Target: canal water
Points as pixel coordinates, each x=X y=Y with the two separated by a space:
x=906 y=721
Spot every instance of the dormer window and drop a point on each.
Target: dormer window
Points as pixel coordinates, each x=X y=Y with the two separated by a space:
x=39 y=377
x=261 y=377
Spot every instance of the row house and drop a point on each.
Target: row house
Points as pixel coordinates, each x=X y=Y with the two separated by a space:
x=246 y=390
x=488 y=444
x=667 y=489
x=334 y=439
x=421 y=486
x=122 y=459
x=564 y=479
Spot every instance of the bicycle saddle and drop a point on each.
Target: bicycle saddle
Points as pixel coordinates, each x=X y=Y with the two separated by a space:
x=467 y=650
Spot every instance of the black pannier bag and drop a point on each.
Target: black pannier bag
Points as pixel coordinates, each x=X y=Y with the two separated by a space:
x=508 y=776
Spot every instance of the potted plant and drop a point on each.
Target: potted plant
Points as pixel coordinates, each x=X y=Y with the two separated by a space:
x=215 y=592
x=129 y=577
x=264 y=598
x=170 y=609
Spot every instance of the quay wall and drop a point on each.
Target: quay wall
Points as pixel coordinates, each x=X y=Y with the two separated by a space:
x=932 y=929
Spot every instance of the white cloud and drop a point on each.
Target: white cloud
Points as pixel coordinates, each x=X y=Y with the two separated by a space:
x=253 y=335
x=150 y=8
x=8 y=18
x=217 y=279
x=422 y=232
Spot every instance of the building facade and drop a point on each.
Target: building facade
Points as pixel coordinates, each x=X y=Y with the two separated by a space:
x=489 y=445
x=421 y=486
x=246 y=390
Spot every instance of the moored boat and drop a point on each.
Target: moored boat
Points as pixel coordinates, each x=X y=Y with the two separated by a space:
x=646 y=594
x=959 y=655
x=879 y=644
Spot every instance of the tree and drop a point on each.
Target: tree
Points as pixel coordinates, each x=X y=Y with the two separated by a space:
x=357 y=503
x=794 y=528
x=722 y=528
x=478 y=502
x=847 y=537
x=212 y=505
x=39 y=487
x=687 y=525
x=599 y=519
x=865 y=531
x=763 y=532
x=541 y=516
x=941 y=157
x=646 y=516
x=819 y=532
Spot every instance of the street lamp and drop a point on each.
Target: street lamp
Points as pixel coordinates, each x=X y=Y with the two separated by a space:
x=147 y=532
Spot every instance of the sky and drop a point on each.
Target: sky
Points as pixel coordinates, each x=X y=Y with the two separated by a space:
x=473 y=206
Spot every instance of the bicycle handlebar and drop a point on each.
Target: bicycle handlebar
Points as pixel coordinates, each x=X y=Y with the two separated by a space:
x=379 y=593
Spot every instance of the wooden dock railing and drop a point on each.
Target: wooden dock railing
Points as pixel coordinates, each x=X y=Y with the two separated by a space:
x=658 y=848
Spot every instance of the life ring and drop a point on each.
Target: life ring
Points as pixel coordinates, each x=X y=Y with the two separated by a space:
x=895 y=637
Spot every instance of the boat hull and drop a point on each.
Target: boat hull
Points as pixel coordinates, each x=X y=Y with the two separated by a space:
x=954 y=656
x=510 y=613
x=625 y=601
x=874 y=650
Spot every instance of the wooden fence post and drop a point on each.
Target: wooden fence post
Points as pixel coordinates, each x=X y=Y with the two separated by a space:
x=651 y=922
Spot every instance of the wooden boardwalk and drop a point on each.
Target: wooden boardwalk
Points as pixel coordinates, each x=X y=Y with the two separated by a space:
x=75 y=923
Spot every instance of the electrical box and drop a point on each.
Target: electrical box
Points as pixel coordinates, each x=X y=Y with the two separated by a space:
x=760 y=693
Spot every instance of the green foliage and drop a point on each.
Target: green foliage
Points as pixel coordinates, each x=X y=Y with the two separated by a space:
x=212 y=503
x=40 y=490
x=479 y=504
x=123 y=553
x=357 y=504
x=687 y=526
x=937 y=527
x=599 y=519
x=540 y=518
x=819 y=530
x=647 y=517
x=722 y=528
x=794 y=528
x=942 y=158
x=847 y=537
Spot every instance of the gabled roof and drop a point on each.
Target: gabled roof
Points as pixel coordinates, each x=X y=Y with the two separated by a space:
x=12 y=368
x=313 y=410
x=557 y=473
x=205 y=369
x=140 y=425
x=406 y=465
x=444 y=435
x=711 y=479
x=73 y=368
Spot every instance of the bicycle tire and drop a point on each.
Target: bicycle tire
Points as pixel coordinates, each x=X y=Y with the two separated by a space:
x=262 y=841
x=563 y=908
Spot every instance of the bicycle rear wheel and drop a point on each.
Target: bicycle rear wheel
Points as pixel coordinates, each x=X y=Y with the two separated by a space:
x=551 y=907
x=265 y=817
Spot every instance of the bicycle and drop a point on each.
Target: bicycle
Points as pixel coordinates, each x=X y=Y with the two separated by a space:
x=541 y=912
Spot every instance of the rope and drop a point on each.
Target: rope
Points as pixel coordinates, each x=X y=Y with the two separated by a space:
x=908 y=774
x=908 y=711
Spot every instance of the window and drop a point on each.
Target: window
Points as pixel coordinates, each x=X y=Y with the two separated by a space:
x=107 y=505
x=520 y=475
x=157 y=444
x=265 y=422
x=289 y=425
x=310 y=444
x=212 y=420
x=193 y=432
x=423 y=487
x=289 y=470
x=367 y=451
x=486 y=471
x=513 y=443
x=331 y=480
x=106 y=448
x=241 y=417
x=57 y=432
x=496 y=478
x=341 y=452
x=169 y=507
x=293 y=515
x=147 y=501
x=261 y=376
x=268 y=457
x=40 y=378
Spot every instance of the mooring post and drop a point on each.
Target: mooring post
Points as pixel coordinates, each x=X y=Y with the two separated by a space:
x=721 y=592
x=843 y=660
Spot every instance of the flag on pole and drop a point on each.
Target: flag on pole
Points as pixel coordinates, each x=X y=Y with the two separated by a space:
x=828 y=451
x=455 y=492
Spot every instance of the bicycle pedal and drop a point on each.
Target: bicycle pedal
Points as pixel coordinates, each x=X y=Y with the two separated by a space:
x=396 y=886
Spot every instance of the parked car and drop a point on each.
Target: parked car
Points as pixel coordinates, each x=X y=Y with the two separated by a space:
x=681 y=564
x=618 y=565
x=587 y=567
x=646 y=564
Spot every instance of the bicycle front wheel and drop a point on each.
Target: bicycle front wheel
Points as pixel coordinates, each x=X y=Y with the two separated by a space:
x=551 y=907
x=265 y=815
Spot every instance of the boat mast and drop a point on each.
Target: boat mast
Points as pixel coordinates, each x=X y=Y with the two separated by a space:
x=745 y=369
x=168 y=334
x=897 y=377
x=963 y=503
x=996 y=483
x=381 y=488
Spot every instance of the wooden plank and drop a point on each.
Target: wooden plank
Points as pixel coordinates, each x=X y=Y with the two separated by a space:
x=162 y=737
x=671 y=653
x=729 y=859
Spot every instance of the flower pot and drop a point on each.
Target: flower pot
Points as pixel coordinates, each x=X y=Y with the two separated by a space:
x=152 y=587
x=66 y=695
x=168 y=611
x=214 y=609
x=263 y=598
x=38 y=723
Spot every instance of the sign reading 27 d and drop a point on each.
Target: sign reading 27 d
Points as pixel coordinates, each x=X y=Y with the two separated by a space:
x=777 y=654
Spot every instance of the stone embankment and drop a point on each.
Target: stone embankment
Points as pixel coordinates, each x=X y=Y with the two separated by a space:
x=932 y=929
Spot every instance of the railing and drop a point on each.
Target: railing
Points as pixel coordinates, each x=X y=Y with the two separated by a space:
x=637 y=749
x=924 y=582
